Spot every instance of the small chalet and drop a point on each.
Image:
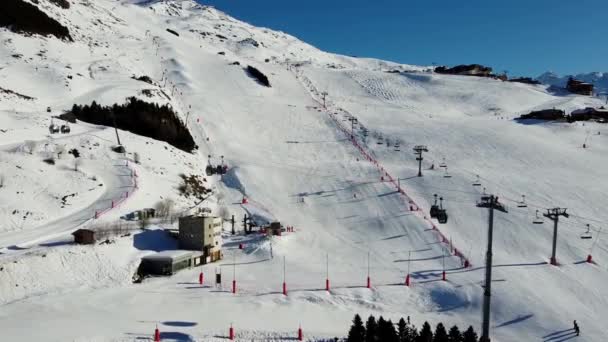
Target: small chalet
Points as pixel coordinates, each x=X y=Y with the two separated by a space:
x=579 y=87
x=84 y=236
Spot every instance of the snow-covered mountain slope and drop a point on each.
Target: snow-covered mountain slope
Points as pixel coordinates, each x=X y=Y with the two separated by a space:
x=295 y=161
x=598 y=79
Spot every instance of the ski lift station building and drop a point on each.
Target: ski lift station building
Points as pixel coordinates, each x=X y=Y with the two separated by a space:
x=169 y=262
x=201 y=233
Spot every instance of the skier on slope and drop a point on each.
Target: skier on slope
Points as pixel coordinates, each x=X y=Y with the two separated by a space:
x=577 y=330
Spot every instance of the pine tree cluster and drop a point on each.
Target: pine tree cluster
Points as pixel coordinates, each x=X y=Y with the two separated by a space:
x=139 y=117
x=382 y=330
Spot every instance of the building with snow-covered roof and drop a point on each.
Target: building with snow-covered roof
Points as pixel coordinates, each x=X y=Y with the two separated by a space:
x=169 y=262
x=589 y=113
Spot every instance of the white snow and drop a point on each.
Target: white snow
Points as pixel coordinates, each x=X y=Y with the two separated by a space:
x=292 y=160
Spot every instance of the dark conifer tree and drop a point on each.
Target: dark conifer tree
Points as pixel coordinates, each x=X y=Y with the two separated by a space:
x=371 y=329
x=426 y=334
x=412 y=334
x=402 y=330
x=454 y=335
x=470 y=335
x=441 y=335
x=391 y=333
x=357 y=330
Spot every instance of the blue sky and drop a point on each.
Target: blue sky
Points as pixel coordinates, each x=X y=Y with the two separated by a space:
x=524 y=37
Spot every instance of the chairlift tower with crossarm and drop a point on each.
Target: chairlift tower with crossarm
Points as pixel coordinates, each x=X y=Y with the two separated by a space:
x=490 y=202
x=418 y=149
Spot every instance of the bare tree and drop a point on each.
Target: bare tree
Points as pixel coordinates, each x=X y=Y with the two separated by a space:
x=30 y=146
x=164 y=208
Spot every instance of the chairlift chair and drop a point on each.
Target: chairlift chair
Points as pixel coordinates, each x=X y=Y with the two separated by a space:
x=443 y=164
x=522 y=204
x=587 y=235
x=538 y=219
x=447 y=175
x=434 y=208
x=477 y=181
x=380 y=141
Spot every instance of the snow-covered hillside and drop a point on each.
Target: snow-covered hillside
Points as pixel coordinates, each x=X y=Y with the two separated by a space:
x=290 y=153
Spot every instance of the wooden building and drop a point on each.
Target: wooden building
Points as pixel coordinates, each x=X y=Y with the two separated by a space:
x=84 y=236
x=545 y=114
x=466 y=70
x=589 y=113
x=579 y=87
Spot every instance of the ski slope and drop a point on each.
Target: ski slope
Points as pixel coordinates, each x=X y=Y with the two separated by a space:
x=290 y=156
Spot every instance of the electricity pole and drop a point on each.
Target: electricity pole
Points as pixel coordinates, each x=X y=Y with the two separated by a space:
x=490 y=202
x=324 y=94
x=554 y=214
x=418 y=151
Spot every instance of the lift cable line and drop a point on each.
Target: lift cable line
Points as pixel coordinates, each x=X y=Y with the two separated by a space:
x=490 y=202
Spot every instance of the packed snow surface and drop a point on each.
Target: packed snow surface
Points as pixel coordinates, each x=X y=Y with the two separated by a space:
x=296 y=155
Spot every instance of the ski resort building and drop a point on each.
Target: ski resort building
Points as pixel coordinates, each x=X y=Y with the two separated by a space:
x=466 y=70
x=84 y=236
x=169 y=262
x=579 y=87
x=201 y=233
x=589 y=113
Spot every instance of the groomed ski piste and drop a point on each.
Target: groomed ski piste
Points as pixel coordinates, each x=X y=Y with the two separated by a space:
x=355 y=202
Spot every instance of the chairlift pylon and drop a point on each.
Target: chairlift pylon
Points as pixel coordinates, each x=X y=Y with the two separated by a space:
x=522 y=204
x=587 y=235
x=538 y=219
